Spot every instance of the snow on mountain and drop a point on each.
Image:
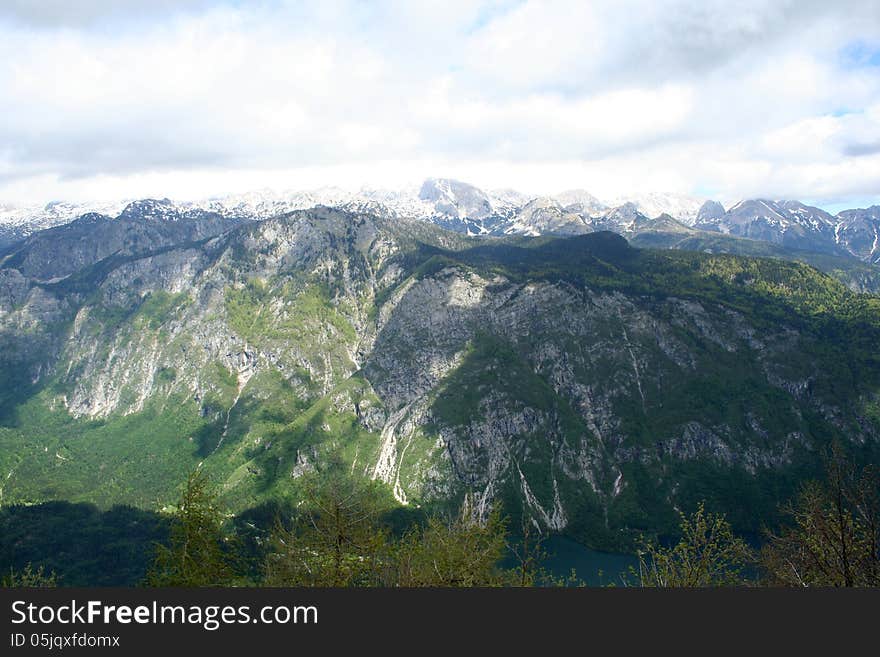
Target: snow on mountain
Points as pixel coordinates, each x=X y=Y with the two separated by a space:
x=859 y=231
x=783 y=215
x=788 y=223
x=38 y=217
x=17 y=222
x=581 y=201
x=456 y=198
x=545 y=215
x=465 y=208
x=507 y=200
x=808 y=216
x=264 y=204
x=709 y=212
x=682 y=207
x=449 y=203
x=623 y=218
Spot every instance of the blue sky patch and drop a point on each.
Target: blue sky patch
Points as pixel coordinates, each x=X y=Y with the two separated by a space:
x=860 y=54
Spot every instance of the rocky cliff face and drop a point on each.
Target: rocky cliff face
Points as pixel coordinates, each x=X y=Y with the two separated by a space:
x=787 y=223
x=844 y=246
x=592 y=385
x=859 y=231
x=143 y=227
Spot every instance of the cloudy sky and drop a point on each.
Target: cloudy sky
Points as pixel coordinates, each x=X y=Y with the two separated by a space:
x=105 y=99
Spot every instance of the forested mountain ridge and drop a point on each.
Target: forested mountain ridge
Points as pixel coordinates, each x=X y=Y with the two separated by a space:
x=595 y=385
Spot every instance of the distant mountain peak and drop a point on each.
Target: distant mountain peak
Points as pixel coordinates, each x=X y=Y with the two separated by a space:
x=681 y=207
x=149 y=208
x=456 y=198
x=710 y=210
x=466 y=208
x=582 y=200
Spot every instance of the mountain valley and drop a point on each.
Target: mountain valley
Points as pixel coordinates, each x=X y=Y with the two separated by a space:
x=593 y=371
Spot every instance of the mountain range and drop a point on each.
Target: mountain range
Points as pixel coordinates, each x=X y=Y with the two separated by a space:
x=465 y=208
x=846 y=245
x=593 y=368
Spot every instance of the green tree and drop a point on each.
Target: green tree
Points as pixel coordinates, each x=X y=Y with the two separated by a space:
x=463 y=552
x=28 y=577
x=199 y=553
x=707 y=554
x=338 y=538
x=529 y=553
x=834 y=535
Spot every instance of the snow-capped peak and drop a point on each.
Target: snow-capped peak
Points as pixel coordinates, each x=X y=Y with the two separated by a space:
x=582 y=200
x=682 y=207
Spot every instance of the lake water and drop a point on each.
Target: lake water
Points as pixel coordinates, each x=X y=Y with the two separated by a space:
x=563 y=554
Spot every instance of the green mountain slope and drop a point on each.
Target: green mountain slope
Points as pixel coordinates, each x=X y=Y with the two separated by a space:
x=594 y=385
x=855 y=274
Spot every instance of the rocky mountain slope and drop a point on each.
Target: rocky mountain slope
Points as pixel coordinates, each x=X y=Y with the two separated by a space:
x=454 y=205
x=468 y=209
x=141 y=227
x=682 y=207
x=16 y=223
x=859 y=231
x=788 y=223
x=596 y=386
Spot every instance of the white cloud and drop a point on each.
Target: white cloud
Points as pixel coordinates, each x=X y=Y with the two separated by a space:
x=131 y=99
x=59 y=13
